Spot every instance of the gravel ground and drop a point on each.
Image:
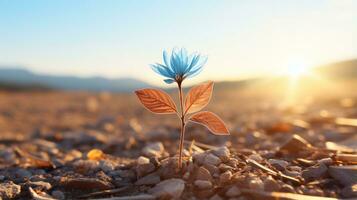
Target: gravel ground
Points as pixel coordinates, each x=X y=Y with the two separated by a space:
x=62 y=145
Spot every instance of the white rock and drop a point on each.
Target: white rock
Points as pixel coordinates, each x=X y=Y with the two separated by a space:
x=153 y=149
x=170 y=187
x=9 y=190
x=200 y=184
x=143 y=160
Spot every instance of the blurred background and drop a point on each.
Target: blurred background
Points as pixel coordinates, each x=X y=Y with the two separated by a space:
x=70 y=65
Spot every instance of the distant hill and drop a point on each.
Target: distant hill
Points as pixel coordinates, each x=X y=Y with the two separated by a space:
x=339 y=70
x=10 y=77
x=17 y=78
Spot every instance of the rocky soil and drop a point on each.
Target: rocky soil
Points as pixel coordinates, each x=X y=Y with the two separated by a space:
x=105 y=146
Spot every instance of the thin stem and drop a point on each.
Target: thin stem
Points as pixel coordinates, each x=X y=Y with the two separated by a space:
x=182 y=134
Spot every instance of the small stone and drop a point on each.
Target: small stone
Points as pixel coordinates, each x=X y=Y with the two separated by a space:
x=292 y=173
x=153 y=149
x=233 y=192
x=170 y=188
x=326 y=161
x=40 y=185
x=314 y=172
x=256 y=157
x=199 y=157
x=23 y=173
x=225 y=177
x=223 y=153
x=271 y=184
x=349 y=191
x=144 y=169
x=216 y=197
x=223 y=167
x=200 y=184
x=9 y=190
x=278 y=164
x=57 y=194
x=295 y=144
x=106 y=166
x=212 y=160
x=287 y=188
x=203 y=174
x=2 y=177
x=142 y=160
x=150 y=179
x=85 y=166
x=256 y=184
x=346 y=175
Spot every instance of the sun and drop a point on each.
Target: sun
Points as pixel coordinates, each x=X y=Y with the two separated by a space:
x=297 y=70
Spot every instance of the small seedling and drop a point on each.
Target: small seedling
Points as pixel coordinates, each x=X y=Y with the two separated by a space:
x=177 y=68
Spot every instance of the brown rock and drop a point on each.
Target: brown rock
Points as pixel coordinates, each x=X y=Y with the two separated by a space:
x=200 y=184
x=85 y=184
x=203 y=174
x=225 y=177
x=170 y=188
x=150 y=179
x=9 y=190
x=346 y=175
x=314 y=172
x=233 y=192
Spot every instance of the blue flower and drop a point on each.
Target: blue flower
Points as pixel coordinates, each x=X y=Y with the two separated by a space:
x=179 y=66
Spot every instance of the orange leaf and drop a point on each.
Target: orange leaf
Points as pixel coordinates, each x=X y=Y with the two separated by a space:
x=156 y=101
x=211 y=121
x=198 y=97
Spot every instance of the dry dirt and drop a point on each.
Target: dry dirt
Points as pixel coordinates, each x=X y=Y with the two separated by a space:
x=67 y=145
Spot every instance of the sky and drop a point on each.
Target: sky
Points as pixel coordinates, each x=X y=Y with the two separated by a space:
x=242 y=39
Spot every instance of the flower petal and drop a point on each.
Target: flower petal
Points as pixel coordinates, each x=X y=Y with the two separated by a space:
x=169 y=81
x=162 y=70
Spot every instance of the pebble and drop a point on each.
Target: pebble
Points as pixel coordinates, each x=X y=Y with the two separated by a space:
x=106 y=166
x=168 y=188
x=23 y=173
x=200 y=184
x=325 y=161
x=203 y=174
x=256 y=184
x=85 y=166
x=216 y=197
x=270 y=184
x=199 y=157
x=40 y=185
x=225 y=177
x=211 y=159
x=314 y=172
x=212 y=169
x=144 y=169
x=223 y=153
x=287 y=188
x=233 y=192
x=153 y=149
x=150 y=179
x=9 y=190
x=143 y=160
x=256 y=157
x=349 y=191
x=57 y=194
x=346 y=175
x=278 y=164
